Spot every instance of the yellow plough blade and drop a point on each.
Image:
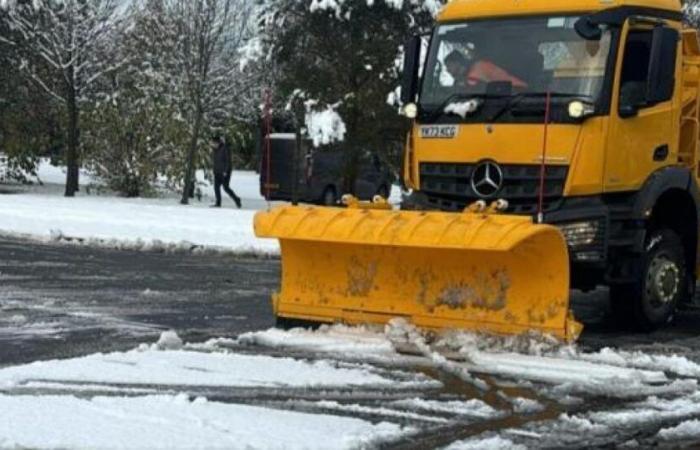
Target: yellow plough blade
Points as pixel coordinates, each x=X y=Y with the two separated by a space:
x=483 y=272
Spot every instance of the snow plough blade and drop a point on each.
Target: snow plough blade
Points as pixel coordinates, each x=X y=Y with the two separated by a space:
x=474 y=271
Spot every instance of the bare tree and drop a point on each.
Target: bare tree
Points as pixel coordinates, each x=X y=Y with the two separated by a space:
x=71 y=38
x=209 y=35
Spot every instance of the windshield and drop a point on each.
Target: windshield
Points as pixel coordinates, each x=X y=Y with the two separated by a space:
x=508 y=57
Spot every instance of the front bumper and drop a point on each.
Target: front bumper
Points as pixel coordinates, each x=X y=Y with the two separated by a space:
x=589 y=224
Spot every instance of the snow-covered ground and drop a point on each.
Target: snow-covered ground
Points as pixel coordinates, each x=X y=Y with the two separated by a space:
x=336 y=387
x=161 y=223
x=565 y=369
x=311 y=388
x=148 y=366
x=175 y=422
x=173 y=395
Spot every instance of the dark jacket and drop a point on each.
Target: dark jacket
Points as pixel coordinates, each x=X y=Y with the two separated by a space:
x=221 y=159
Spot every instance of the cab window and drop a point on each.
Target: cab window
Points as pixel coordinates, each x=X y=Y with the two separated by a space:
x=635 y=68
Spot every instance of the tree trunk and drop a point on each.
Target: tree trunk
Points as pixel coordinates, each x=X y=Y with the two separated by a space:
x=189 y=167
x=72 y=166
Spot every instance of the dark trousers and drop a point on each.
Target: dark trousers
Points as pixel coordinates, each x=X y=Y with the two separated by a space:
x=224 y=180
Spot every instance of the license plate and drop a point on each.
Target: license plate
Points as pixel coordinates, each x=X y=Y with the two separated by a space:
x=439 y=131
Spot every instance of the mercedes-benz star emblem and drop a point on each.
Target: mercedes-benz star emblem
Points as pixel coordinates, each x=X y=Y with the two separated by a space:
x=487 y=179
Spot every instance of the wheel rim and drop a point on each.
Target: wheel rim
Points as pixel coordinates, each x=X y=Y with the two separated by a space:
x=663 y=281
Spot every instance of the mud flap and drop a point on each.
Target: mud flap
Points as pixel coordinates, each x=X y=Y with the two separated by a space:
x=482 y=272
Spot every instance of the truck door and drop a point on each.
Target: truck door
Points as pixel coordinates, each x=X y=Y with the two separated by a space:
x=644 y=118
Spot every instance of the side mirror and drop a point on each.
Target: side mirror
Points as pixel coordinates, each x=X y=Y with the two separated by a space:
x=662 y=67
x=588 y=30
x=411 y=63
x=628 y=111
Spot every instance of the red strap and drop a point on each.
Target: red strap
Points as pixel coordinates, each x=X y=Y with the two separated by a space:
x=543 y=164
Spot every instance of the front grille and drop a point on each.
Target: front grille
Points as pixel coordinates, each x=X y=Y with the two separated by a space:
x=448 y=187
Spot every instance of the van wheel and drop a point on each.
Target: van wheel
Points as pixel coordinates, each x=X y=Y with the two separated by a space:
x=661 y=284
x=383 y=191
x=329 y=198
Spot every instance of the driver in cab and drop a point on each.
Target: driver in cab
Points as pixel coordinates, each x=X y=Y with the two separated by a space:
x=472 y=73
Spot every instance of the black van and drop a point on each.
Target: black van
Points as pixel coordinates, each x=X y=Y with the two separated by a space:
x=319 y=174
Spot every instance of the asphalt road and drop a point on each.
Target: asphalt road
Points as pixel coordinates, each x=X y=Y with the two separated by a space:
x=60 y=300
x=64 y=300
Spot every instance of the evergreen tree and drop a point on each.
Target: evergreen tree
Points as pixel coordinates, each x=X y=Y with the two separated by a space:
x=340 y=59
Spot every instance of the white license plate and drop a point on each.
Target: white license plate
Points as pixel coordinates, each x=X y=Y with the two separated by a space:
x=439 y=131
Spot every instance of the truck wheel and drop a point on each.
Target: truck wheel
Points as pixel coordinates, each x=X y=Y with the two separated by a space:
x=329 y=198
x=662 y=280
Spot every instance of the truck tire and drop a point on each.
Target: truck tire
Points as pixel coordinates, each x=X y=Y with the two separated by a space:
x=661 y=284
x=329 y=197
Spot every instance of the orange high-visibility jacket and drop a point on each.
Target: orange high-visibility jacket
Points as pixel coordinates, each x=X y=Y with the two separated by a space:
x=486 y=71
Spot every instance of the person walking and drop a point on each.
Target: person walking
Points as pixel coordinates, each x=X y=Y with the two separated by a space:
x=221 y=160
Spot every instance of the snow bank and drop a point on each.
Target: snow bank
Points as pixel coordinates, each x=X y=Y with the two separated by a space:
x=689 y=429
x=131 y=223
x=139 y=224
x=187 y=368
x=174 y=422
x=600 y=428
x=649 y=411
x=339 y=339
x=492 y=443
x=556 y=370
x=674 y=364
x=532 y=358
x=169 y=340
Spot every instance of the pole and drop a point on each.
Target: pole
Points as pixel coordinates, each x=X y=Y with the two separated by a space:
x=268 y=146
x=543 y=163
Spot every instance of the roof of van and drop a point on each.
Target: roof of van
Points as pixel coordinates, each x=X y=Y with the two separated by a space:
x=470 y=9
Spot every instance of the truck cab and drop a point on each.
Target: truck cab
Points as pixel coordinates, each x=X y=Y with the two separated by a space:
x=580 y=113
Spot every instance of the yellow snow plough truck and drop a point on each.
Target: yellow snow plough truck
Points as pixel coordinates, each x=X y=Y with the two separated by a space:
x=553 y=146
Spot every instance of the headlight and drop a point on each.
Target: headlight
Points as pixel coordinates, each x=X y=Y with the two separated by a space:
x=580 y=234
x=410 y=110
x=580 y=110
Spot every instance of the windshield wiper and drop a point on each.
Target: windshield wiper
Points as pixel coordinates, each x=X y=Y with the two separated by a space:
x=517 y=98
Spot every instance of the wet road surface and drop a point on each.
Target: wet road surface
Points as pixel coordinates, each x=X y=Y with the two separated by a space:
x=61 y=301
